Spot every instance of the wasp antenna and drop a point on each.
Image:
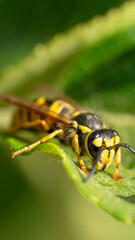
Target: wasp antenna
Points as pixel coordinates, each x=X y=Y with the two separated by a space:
x=126 y=146
x=94 y=166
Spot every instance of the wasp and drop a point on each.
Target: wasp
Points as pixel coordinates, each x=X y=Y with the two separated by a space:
x=81 y=129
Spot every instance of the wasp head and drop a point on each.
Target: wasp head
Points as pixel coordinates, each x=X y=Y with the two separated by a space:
x=101 y=146
x=105 y=140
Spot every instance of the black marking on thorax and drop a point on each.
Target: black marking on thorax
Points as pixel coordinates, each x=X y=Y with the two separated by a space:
x=89 y=120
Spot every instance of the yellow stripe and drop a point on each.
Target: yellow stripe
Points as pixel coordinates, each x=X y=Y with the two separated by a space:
x=99 y=166
x=117 y=139
x=97 y=142
x=58 y=105
x=84 y=129
x=75 y=124
x=105 y=159
x=41 y=101
x=109 y=142
x=112 y=153
x=78 y=112
x=86 y=145
x=104 y=156
x=104 y=126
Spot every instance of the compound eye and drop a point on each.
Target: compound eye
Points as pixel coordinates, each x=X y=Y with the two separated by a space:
x=93 y=149
x=94 y=145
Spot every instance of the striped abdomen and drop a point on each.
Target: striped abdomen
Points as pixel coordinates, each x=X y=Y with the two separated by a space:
x=23 y=115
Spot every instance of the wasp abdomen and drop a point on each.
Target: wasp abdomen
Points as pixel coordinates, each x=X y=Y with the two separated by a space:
x=59 y=107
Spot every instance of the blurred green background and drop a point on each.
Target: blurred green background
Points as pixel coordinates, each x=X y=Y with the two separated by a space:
x=37 y=199
x=25 y=23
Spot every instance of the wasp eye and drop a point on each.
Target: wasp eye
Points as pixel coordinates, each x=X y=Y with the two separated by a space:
x=94 y=143
x=93 y=150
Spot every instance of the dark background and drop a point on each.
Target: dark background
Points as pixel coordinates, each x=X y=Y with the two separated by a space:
x=24 y=23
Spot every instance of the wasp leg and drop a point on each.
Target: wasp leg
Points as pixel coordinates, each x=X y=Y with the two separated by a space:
x=118 y=161
x=76 y=147
x=42 y=140
x=28 y=124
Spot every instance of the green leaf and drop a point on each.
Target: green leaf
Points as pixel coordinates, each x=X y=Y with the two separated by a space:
x=94 y=59
x=117 y=198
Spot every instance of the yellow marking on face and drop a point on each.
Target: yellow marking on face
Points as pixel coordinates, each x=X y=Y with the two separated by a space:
x=84 y=129
x=104 y=126
x=117 y=139
x=99 y=166
x=41 y=101
x=112 y=153
x=109 y=142
x=104 y=156
x=105 y=159
x=97 y=142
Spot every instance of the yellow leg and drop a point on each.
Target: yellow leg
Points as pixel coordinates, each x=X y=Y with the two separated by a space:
x=76 y=146
x=118 y=161
x=28 y=124
x=42 y=140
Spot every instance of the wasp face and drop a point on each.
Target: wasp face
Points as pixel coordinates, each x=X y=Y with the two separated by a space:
x=106 y=139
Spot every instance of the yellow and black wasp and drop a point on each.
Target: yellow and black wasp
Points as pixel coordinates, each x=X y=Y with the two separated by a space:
x=82 y=129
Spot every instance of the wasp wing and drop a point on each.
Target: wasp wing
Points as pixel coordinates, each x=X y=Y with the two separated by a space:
x=39 y=109
x=58 y=94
